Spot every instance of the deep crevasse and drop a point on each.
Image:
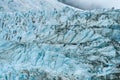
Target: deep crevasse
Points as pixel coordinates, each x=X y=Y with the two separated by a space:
x=57 y=42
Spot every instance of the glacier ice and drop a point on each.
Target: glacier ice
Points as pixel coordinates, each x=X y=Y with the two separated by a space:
x=92 y=4
x=48 y=40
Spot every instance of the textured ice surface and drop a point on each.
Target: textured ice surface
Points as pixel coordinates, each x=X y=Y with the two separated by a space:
x=51 y=41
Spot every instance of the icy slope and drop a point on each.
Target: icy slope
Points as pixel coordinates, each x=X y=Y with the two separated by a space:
x=92 y=4
x=57 y=42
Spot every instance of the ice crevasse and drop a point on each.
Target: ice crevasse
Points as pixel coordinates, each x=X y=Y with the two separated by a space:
x=48 y=40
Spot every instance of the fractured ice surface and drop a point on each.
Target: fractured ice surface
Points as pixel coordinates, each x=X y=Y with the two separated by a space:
x=57 y=42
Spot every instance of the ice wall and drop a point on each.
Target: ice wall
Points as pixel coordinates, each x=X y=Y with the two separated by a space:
x=56 y=42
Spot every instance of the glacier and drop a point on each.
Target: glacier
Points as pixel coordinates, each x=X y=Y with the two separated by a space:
x=48 y=40
x=92 y=4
